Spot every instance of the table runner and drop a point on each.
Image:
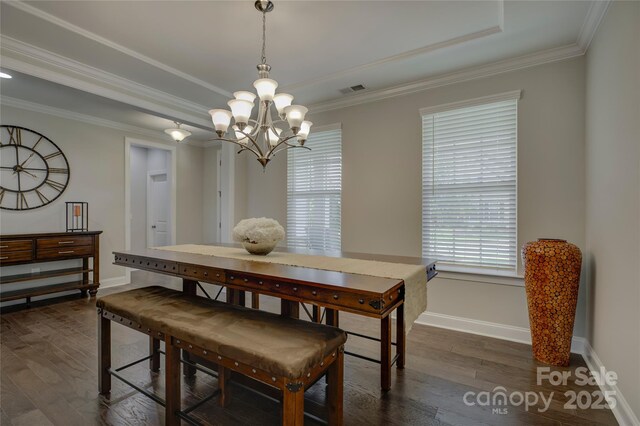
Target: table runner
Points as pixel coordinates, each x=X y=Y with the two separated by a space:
x=414 y=276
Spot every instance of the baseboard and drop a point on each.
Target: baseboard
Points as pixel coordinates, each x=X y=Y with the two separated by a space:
x=114 y=282
x=489 y=329
x=622 y=411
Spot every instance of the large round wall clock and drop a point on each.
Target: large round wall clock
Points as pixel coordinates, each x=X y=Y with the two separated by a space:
x=33 y=170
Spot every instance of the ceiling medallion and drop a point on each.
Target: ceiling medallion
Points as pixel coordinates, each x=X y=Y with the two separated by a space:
x=264 y=136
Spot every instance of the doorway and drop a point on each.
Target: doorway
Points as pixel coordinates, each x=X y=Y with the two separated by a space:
x=150 y=195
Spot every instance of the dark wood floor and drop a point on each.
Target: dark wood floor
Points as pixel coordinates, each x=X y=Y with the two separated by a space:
x=48 y=376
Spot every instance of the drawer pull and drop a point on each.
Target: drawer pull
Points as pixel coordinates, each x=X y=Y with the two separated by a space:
x=4 y=257
x=66 y=252
x=65 y=242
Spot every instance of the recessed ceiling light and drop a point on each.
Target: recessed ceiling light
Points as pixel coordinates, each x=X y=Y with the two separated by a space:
x=4 y=75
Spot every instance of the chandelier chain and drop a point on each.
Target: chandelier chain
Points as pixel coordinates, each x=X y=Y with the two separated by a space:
x=264 y=37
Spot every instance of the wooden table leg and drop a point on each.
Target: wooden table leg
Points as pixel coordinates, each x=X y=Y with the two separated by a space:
x=104 y=354
x=289 y=308
x=96 y=265
x=172 y=383
x=255 y=300
x=154 y=352
x=85 y=275
x=189 y=287
x=401 y=341
x=236 y=297
x=332 y=317
x=385 y=353
x=317 y=313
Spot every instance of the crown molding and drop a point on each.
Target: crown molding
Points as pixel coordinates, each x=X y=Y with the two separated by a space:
x=506 y=96
x=85 y=118
x=26 y=58
x=88 y=119
x=34 y=11
x=482 y=71
x=596 y=12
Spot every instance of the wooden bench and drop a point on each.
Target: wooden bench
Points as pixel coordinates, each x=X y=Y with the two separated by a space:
x=284 y=353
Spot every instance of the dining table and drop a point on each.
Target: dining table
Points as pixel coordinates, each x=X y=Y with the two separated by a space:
x=323 y=287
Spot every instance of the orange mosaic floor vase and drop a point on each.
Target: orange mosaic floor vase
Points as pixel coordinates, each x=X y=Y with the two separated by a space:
x=552 y=276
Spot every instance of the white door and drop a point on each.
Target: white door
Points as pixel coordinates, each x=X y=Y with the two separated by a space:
x=158 y=208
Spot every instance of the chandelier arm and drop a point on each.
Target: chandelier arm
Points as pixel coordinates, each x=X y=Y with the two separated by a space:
x=253 y=141
x=280 y=142
x=259 y=155
x=289 y=146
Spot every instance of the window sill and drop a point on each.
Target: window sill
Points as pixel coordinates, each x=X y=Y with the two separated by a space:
x=488 y=276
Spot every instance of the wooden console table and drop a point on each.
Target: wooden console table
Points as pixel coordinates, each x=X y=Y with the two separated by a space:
x=24 y=249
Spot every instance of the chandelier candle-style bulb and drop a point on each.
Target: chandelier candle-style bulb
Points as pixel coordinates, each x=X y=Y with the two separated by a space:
x=303 y=133
x=274 y=137
x=281 y=101
x=295 y=116
x=244 y=95
x=266 y=88
x=241 y=111
x=221 y=119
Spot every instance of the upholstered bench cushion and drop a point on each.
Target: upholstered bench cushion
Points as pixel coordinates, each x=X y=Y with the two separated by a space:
x=279 y=345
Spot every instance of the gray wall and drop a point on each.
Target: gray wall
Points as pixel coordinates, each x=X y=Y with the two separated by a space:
x=613 y=195
x=96 y=158
x=381 y=199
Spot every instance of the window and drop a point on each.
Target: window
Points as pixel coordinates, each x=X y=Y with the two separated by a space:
x=469 y=182
x=314 y=190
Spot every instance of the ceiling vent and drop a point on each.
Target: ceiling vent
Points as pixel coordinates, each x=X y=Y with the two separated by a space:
x=356 y=88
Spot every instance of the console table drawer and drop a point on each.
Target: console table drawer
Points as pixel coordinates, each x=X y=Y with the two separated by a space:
x=15 y=245
x=15 y=256
x=63 y=242
x=62 y=252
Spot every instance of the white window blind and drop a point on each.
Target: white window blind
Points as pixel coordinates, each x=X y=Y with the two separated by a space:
x=469 y=185
x=314 y=188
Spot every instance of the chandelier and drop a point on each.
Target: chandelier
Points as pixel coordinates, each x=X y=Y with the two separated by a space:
x=264 y=136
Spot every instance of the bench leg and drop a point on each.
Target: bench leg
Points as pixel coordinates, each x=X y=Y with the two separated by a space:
x=401 y=345
x=172 y=383
x=385 y=353
x=293 y=407
x=223 y=384
x=335 y=377
x=154 y=352
x=104 y=354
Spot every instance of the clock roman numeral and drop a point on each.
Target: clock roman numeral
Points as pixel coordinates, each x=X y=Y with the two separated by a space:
x=43 y=199
x=55 y=185
x=52 y=155
x=15 y=136
x=23 y=201
x=2 y=192
x=57 y=170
